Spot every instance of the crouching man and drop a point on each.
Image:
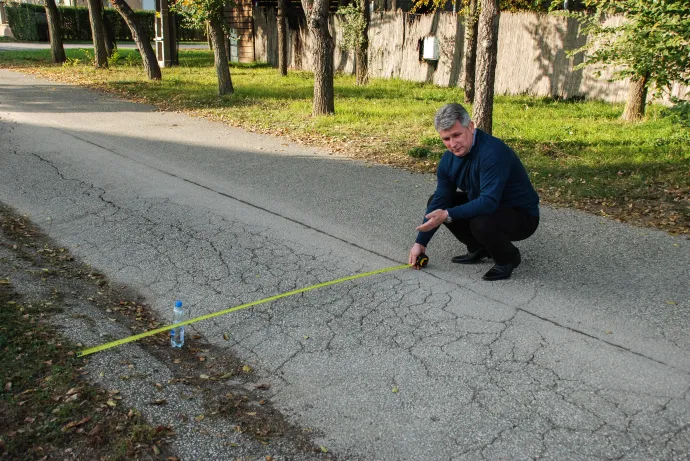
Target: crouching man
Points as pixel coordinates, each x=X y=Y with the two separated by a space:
x=483 y=196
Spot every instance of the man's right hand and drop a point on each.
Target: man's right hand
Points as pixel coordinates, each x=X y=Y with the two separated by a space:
x=416 y=250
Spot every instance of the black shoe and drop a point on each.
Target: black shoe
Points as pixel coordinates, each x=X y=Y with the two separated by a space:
x=502 y=271
x=472 y=257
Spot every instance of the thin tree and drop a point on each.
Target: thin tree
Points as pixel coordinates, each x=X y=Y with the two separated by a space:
x=362 y=49
x=100 y=59
x=355 y=19
x=650 y=46
x=282 y=38
x=211 y=14
x=316 y=12
x=220 y=56
x=470 y=55
x=57 y=50
x=148 y=56
x=487 y=50
x=108 y=33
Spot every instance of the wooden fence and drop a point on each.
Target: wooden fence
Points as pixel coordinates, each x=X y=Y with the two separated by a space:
x=532 y=56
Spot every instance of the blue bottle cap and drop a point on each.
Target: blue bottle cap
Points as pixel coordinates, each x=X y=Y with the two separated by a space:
x=178 y=303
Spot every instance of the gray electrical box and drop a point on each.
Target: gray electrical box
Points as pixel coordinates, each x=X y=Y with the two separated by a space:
x=430 y=49
x=234 y=46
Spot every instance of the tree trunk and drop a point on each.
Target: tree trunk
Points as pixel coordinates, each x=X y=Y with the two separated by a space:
x=108 y=33
x=470 y=58
x=148 y=56
x=100 y=59
x=394 y=5
x=362 y=51
x=637 y=99
x=487 y=49
x=57 y=50
x=208 y=36
x=317 y=22
x=282 y=39
x=228 y=47
x=220 y=57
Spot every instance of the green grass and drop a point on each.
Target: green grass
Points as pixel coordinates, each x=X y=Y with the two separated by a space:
x=579 y=153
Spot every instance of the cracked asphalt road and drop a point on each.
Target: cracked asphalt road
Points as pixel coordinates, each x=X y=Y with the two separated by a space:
x=584 y=354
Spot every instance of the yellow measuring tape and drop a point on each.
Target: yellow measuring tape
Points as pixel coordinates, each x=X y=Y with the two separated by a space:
x=129 y=339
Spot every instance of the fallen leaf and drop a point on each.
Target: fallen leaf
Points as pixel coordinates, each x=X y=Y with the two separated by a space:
x=226 y=376
x=395 y=389
x=83 y=421
x=8 y=386
x=72 y=424
x=199 y=418
x=246 y=368
x=204 y=376
x=262 y=402
x=156 y=450
x=159 y=402
x=177 y=361
x=111 y=403
x=672 y=303
x=251 y=413
x=226 y=336
x=324 y=449
x=263 y=386
x=29 y=419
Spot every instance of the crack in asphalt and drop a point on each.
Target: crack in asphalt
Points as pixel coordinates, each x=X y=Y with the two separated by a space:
x=355 y=245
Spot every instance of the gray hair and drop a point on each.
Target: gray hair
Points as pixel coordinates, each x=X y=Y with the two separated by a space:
x=447 y=115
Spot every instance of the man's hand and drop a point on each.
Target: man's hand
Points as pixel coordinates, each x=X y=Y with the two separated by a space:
x=416 y=250
x=435 y=219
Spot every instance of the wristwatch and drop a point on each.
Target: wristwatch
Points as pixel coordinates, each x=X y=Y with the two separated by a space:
x=448 y=219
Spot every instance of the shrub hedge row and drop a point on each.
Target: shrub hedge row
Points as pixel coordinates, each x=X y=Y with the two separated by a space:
x=28 y=23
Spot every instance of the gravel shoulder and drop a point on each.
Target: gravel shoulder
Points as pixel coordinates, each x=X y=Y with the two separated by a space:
x=193 y=403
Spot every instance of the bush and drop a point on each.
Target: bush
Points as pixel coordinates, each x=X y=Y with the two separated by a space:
x=679 y=113
x=419 y=152
x=28 y=23
x=25 y=20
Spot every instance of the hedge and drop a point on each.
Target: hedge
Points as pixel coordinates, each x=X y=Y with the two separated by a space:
x=28 y=23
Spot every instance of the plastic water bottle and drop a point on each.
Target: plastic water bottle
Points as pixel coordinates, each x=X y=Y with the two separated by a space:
x=177 y=333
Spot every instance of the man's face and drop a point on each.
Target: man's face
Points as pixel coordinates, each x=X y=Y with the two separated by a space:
x=458 y=139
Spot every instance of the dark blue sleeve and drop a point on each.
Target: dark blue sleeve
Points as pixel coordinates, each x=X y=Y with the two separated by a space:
x=443 y=196
x=494 y=170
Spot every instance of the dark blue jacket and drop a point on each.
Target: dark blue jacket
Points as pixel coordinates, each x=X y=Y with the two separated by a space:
x=491 y=174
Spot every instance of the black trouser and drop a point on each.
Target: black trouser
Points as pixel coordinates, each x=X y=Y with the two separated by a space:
x=495 y=231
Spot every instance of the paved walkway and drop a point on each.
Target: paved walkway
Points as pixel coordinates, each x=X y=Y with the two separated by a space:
x=14 y=46
x=583 y=354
